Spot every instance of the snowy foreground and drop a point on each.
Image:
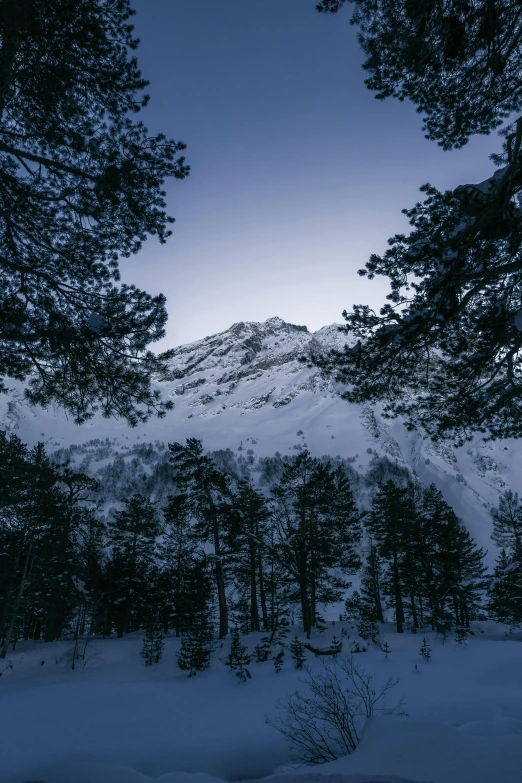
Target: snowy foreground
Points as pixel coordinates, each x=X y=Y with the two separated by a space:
x=116 y=721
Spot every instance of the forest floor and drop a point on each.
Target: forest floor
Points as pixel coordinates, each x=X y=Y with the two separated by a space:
x=113 y=720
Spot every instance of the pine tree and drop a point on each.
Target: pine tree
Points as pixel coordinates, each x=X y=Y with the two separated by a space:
x=197 y=645
x=465 y=573
x=73 y=156
x=365 y=607
x=280 y=589
x=262 y=650
x=132 y=535
x=318 y=527
x=91 y=539
x=238 y=659
x=391 y=522
x=461 y=635
x=179 y=557
x=386 y=648
x=371 y=580
x=336 y=646
x=246 y=534
x=445 y=350
x=507 y=524
x=454 y=572
x=435 y=516
x=48 y=590
x=47 y=577
x=153 y=641
x=505 y=590
x=208 y=496
x=367 y=628
x=42 y=568
x=278 y=660
x=425 y=650
x=297 y=652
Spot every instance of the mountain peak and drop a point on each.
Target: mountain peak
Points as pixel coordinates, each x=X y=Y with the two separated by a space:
x=278 y=323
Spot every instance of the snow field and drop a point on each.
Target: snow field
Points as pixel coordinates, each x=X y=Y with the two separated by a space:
x=116 y=721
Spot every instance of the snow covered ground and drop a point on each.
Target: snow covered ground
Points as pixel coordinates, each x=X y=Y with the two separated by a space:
x=116 y=721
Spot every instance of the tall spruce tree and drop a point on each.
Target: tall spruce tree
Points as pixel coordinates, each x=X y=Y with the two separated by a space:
x=434 y=516
x=434 y=570
x=455 y=574
x=81 y=186
x=371 y=585
x=178 y=552
x=196 y=646
x=91 y=557
x=507 y=524
x=42 y=597
x=238 y=658
x=246 y=534
x=391 y=523
x=208 y=495
x=153 y=640
x=446 y=350
x=317 y=526
x=297 y=652
x=16 y=532
x=197 y=642
x=132 y=535
x=505 y=591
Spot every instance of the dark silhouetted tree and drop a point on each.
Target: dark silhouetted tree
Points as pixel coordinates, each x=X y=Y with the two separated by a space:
x=247 y=531
x=208 y=497
x=153 y=640
x=317 y=526
x=238 y=658
x=297 y=652
x=505 y=591
x=81 y=185
x=132 y=536
x=446 y=350
x=391 y=523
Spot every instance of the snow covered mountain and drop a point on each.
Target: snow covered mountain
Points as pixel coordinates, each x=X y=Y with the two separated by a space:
x=246 y=389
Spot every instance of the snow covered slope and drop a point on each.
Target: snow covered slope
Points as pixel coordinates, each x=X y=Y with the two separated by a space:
x=245 y=387
x=117 y=721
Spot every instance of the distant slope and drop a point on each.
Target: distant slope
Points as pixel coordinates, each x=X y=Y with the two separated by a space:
x=245 y=387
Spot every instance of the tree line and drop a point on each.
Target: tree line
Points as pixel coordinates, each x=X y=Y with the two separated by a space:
x=223 y=553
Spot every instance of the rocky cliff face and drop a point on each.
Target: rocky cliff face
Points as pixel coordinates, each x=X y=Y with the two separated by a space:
x=246 y=389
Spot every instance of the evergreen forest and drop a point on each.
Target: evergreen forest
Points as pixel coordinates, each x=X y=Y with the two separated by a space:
x=207 y=544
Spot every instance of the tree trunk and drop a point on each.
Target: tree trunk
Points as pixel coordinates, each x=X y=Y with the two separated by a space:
x=262 y=592
x=377 y=597
x=399 y=608
x=18 y=602
x=9 y=591
x=414 y=611
x=220 y=581
x=421 y=612
x=254 y=610
x=50 y=624
x=456 y=609
x=305 y=607
x=313 y=604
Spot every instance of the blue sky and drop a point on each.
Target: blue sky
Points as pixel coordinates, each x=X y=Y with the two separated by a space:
x=298 y=173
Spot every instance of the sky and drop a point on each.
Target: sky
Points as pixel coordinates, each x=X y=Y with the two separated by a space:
x=297 y=173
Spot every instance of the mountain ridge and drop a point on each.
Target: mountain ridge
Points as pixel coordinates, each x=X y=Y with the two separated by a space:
x=248 y=383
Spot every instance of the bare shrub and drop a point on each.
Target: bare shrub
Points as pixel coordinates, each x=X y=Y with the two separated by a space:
x=325 y=722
